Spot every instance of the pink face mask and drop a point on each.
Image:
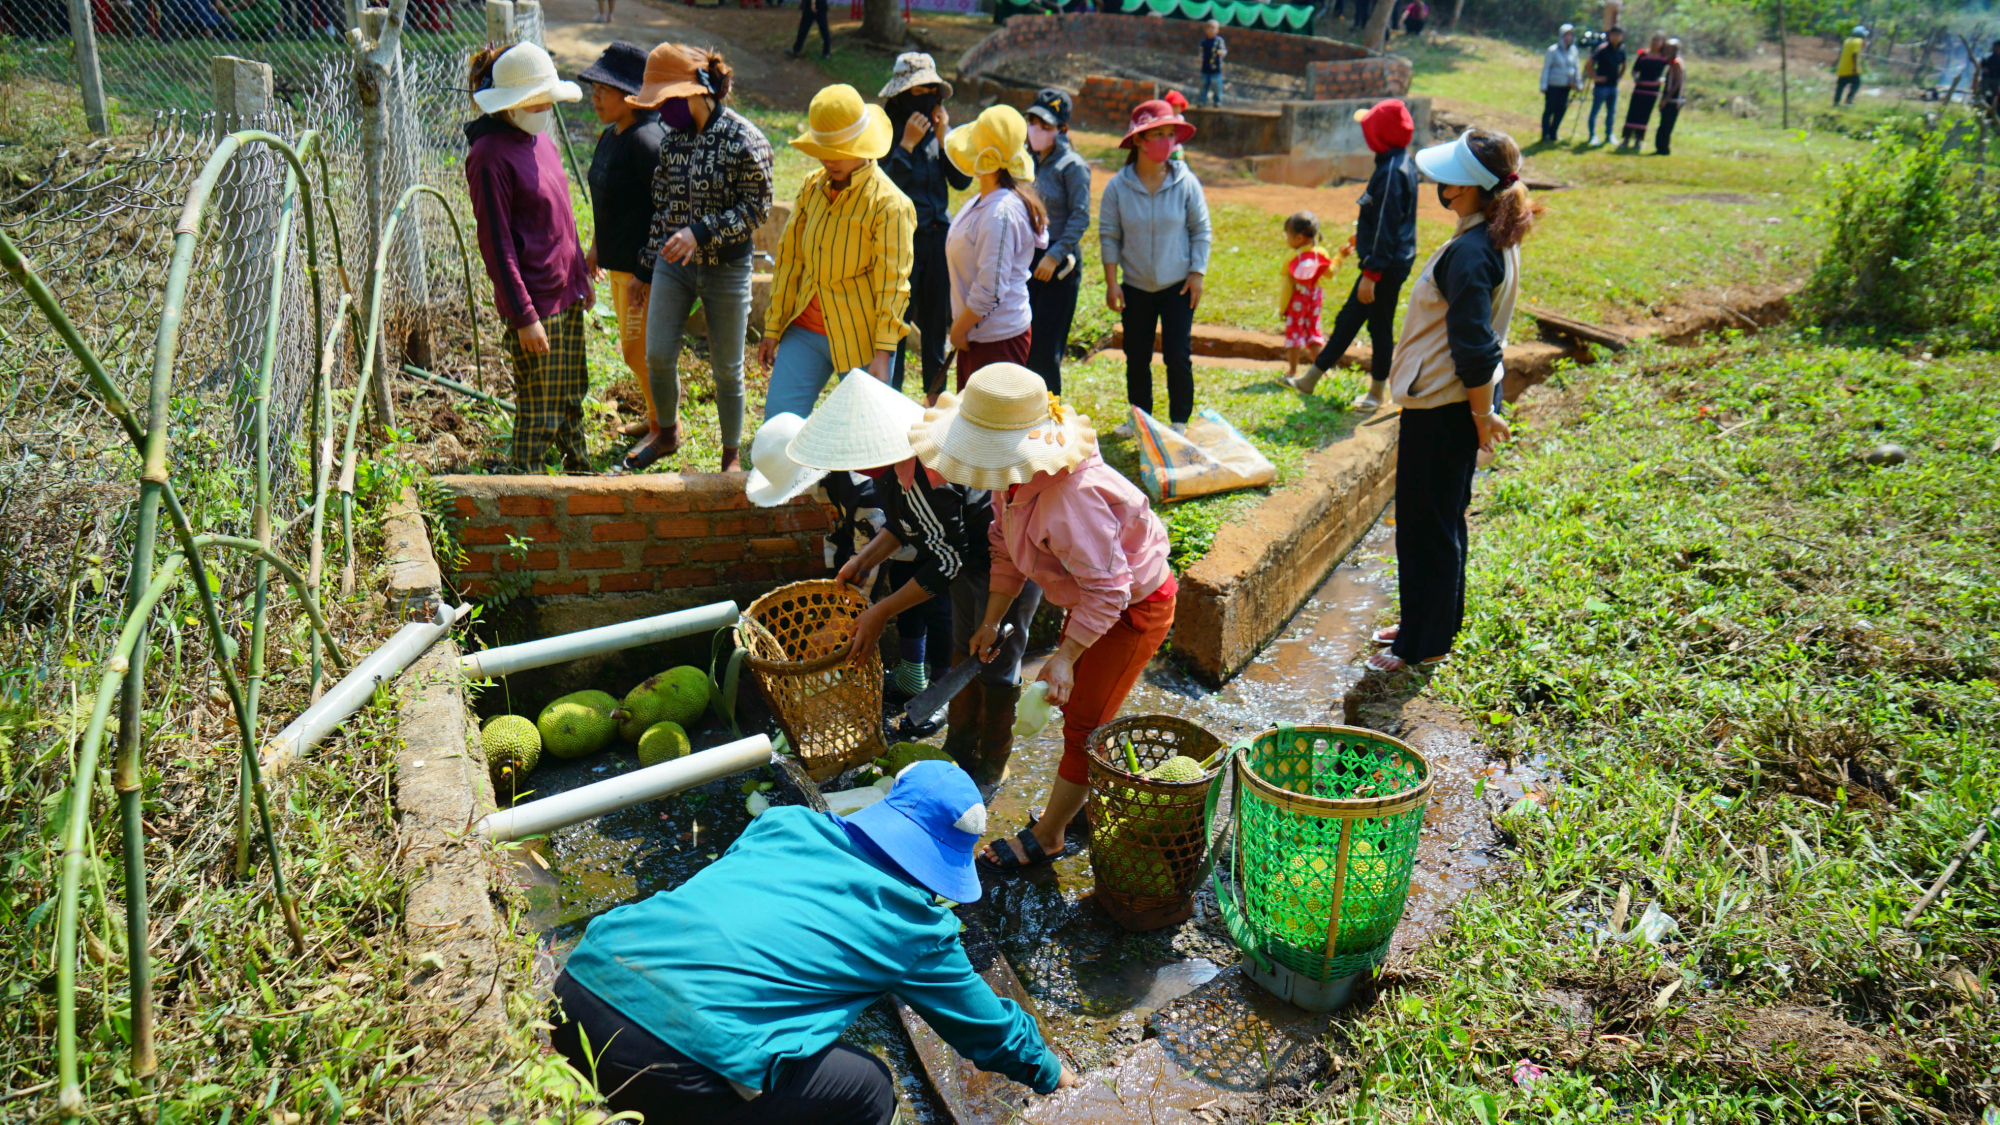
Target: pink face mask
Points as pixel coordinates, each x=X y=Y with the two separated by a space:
x=1157 y=149
x=1040 y=137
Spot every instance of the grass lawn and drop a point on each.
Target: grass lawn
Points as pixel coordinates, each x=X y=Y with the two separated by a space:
x=1762 y=675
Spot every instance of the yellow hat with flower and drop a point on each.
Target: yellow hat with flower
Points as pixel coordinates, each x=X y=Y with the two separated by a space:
x=1005 y=428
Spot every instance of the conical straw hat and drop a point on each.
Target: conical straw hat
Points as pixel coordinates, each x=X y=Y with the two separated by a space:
x=864 y=424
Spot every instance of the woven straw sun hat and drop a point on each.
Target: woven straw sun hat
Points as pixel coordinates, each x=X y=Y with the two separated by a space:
x=864 y=424
x=775 y=478
x=996 y=139
x=840 y=126
x=522 y=74
x=1005 y=428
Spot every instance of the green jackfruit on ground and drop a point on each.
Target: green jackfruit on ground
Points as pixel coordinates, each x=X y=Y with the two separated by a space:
x=677 y=695
x=513 y=749
x=579 y=723
x=663 y=741
x=903 y=753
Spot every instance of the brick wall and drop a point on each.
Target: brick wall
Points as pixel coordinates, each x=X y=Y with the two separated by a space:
x=1384 y=77
x=629 y=535
x=1106 y=103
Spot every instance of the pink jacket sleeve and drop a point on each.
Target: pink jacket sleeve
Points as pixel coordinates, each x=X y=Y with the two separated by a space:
x=1003 y=576
x=1083 y=536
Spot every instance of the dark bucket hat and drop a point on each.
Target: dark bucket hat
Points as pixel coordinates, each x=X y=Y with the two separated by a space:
x=622 y=67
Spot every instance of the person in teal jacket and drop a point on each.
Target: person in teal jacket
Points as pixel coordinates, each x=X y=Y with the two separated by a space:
x=724 y=998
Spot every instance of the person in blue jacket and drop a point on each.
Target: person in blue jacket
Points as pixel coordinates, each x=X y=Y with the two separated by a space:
x=724 y=998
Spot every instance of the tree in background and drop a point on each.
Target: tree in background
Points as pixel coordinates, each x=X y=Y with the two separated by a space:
x=882 y=21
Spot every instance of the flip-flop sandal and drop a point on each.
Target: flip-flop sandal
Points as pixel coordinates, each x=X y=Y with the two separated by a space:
x=1384 y=636
x=644 y=454
x=1380 y=662
x=1009 y=863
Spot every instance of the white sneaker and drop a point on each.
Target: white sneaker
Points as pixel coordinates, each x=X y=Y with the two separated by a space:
x=1124 y=430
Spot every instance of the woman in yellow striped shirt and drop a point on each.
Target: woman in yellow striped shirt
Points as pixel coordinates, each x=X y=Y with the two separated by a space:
x=843 y=275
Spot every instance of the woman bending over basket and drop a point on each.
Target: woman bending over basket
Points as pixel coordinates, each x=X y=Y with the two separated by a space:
x=1078 y=529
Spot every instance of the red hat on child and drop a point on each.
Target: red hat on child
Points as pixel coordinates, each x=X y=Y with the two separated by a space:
x=1152 y=115
x=1387 y=126
x=1176 y=99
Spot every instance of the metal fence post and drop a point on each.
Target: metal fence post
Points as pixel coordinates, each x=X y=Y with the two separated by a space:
x=89 y=76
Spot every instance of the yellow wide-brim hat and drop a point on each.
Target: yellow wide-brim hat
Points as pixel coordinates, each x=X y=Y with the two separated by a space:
x=840 y=126
x=996 y=139
x=1004 y=429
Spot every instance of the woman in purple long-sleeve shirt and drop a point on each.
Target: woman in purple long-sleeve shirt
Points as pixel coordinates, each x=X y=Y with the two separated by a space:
x=992 y=241
x=527 y=237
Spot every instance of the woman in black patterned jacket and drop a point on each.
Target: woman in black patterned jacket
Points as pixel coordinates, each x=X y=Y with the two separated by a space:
x=710 y=193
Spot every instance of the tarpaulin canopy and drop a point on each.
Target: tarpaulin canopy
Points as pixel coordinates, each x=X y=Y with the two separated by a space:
x=1229 y=13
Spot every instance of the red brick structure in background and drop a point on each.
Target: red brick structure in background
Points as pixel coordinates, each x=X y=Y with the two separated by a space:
x=652 y=533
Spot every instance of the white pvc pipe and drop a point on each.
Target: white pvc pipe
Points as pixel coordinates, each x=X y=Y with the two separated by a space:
x=355 y=690
x=591 y=642
x=641 y=785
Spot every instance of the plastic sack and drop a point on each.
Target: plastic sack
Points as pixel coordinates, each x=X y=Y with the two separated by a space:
x=1212 y=457
x=1033 y=711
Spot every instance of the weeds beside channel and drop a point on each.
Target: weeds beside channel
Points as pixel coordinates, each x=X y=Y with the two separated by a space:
x=1763 y=672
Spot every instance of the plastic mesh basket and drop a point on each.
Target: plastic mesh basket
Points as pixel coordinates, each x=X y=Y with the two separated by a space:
x=1326 y=823
x=795 y=640
x=1147 y=844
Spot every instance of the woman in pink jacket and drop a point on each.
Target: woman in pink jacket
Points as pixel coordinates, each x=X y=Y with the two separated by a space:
x=1077 y=528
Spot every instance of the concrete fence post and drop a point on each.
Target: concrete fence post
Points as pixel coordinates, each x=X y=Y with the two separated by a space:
x=89 y=75
x=376 y=40
x=528 y=27
x=241 y=95
x=499 y=21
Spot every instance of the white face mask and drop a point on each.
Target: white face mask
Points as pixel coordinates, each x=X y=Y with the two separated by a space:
x=534 y=124
x=1041 y=138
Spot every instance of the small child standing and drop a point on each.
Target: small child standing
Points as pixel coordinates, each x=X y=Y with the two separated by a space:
x=1302 y=295
x=1213 y=51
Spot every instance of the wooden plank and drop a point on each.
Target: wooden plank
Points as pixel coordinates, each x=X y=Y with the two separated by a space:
x=1555 y=324
x=974 y=1096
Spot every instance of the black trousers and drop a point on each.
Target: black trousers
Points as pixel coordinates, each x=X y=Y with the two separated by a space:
x=1378 y=316
x=1663 y=142
x=1362 y=10
x=930 y=620
x=1053 y=306
x=807 y=14
x=636 y=1072
x=1851 y=83
x=930 y=306
x=1436 y=453
x=1555 y=107
x=1168 y=309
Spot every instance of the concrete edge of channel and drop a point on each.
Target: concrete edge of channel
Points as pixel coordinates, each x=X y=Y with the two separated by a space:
x=455 y=935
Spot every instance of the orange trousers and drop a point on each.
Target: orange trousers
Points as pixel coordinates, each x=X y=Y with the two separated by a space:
x=1104 y=677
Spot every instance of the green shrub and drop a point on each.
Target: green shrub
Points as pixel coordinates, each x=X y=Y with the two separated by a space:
x=1912 y=248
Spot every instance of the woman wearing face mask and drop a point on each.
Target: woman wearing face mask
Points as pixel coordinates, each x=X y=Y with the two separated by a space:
x=621 y=201
x=1153 y=225
x=527 y=237
x=711 y=191
x=914 y=101
x=1062 y=180
x=1446 y=378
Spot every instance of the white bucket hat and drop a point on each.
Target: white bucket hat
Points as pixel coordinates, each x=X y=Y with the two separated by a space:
x=774 y=477
x=864 y=424
x=1006 y=428
x=1453 y=163
x=523 y=73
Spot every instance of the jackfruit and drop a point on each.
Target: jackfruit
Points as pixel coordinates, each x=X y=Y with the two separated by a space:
x=903 y=753
x=1180 y=767
x=513 y=748
x=677 y=695
x=662 y=742
x=579 y=723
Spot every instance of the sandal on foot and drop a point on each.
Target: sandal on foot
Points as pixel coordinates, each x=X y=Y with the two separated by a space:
x=1385 y=636
x=1078 y=827
x=1388 y=662
x=1009 y=863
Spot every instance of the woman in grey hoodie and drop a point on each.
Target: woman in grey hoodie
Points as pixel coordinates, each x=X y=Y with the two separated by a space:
x=1153 y=226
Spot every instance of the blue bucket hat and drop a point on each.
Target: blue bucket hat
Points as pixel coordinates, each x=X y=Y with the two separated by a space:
x=930 y=823
x=1453 y=163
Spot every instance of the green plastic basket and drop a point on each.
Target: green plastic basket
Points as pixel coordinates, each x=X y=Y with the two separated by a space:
x=1325 y=822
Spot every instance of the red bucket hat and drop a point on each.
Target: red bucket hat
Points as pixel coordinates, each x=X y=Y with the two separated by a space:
x=1152 y=115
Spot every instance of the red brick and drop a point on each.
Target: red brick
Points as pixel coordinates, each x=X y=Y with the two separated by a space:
x=753 y=572
x=534 y=560
x=693 y=527
x=480 y=561
x=740 y=525
x=474 y=587
x=676 y=579
x=797 y=569
x=624 y=531
x=527 y=506
x=466 y=505
x=621 y=583
x=661 y=502
x=485 y=535
x=662 y=555
x=726 y=550
x=799 y=517
x=543 y=532
x=574 y=586
x=596 y=505
x=611 y=559
x=774 y=548
x=731 y=501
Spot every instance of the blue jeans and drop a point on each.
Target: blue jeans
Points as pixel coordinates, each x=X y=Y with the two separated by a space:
x=799 y=372
x=1211 y=90
x=725 y=296
x=1606 y=98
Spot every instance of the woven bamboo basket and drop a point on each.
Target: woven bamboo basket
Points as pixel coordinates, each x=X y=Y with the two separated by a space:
x=1147 y=844
x=795 y=640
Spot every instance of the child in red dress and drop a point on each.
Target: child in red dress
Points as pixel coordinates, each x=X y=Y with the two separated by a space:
x=1301 y=296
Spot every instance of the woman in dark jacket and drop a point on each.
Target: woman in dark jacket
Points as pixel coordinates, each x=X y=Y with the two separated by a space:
x=621 y=199
x=1062 y=180
x=527 y=237
x=914 y=100
x=1447 y=380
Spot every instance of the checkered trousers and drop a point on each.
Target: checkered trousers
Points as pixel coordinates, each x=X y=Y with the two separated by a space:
x=548 y=394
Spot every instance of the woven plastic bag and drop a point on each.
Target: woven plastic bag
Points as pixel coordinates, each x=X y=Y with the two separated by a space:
x=1212 y=457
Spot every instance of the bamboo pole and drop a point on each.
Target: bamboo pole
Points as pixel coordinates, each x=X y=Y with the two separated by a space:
x=323 y=461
